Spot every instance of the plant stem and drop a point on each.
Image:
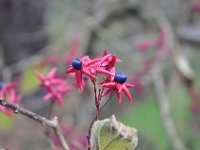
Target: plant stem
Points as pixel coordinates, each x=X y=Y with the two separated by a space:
x=94 y=119
x=96 y=98
x=50 y=109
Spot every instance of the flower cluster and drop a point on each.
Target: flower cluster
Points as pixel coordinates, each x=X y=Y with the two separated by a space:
x=56 y=87
x=9 y=92
x=89 y=67
x=105 y=65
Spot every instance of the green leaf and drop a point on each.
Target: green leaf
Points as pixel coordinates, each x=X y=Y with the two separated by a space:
x=110 y=134
x=30 y=82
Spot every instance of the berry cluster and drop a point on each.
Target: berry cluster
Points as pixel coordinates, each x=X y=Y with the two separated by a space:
x=105 y=65
x=82 y=69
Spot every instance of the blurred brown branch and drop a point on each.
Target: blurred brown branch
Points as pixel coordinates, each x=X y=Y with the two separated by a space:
x=187 y=76
x=99 y=21
x=159 y=84
x=165 y=111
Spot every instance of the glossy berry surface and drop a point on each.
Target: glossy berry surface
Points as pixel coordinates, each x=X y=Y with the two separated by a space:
x=120 y=77
x=77 y=64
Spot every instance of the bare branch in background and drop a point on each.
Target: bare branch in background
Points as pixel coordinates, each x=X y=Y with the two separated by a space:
x=159 y=84
x=42 y=120
x=187 y=76
x=106 y=16
x=163 y=100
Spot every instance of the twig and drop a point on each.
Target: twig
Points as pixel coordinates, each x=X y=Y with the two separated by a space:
x=163 y=100
x=50 y=109
x=48 y=131
x=42 y=120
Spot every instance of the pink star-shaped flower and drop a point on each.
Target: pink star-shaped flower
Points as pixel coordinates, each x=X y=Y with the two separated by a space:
x=109 y=60
x=56 y=87
x=120 y=86
x=9 y=93
x=98 y=66
x=87 y=66
x=80 y=67
x=104 y=64
x=109 y=65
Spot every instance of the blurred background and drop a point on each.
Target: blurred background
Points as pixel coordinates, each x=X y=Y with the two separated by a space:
x=157 y=40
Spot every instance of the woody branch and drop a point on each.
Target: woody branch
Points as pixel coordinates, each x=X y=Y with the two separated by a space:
x=42 y=120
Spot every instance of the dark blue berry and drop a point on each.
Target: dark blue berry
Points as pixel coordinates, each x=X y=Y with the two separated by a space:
x=120 y=77
x=77 y=64
x=1 y=85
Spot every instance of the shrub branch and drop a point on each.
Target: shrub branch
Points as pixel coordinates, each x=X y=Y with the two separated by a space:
x=53 y=123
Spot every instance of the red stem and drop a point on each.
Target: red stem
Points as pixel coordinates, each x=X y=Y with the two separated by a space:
x=96 y=98
x=94 y=119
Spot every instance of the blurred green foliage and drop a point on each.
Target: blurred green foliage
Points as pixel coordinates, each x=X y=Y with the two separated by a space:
x=183 y=118
x=30 y=81
x=146 y=118
x=6 y=122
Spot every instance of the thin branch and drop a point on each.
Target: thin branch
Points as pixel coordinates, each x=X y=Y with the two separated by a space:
x=163 y=100
x=42 y=120
x=50 y=109
x=48 y=131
